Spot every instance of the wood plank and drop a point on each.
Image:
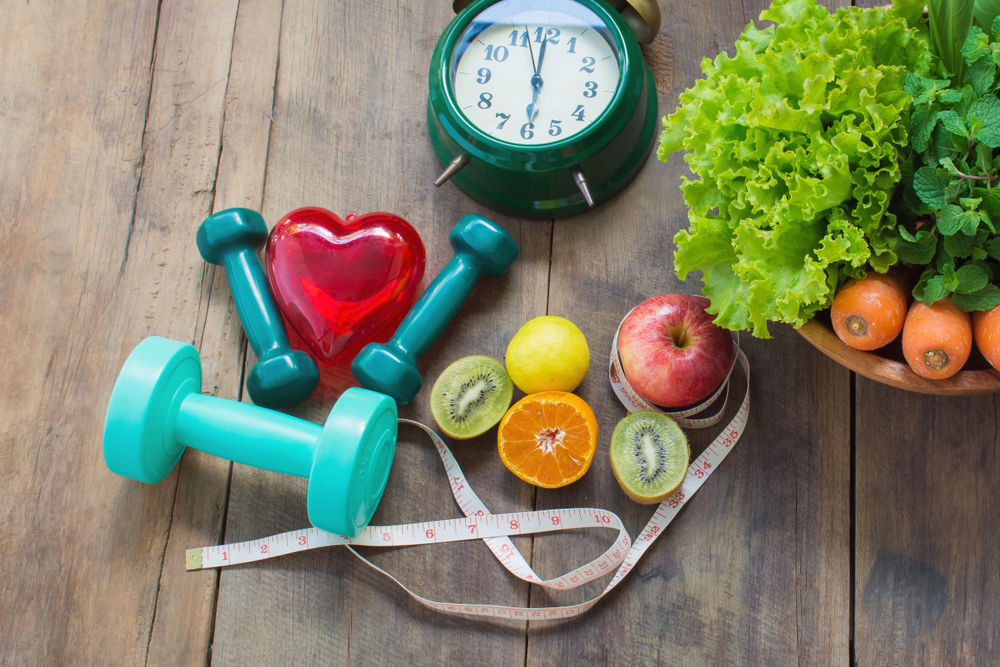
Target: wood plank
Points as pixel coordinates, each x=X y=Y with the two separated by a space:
x=71 y=121
x=124 y=156
x=349 y=134
x=927 y=477
x=185 y=609
x=755 y=570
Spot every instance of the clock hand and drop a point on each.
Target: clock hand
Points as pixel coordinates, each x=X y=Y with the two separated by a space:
x=536 y=82
x=530 y=50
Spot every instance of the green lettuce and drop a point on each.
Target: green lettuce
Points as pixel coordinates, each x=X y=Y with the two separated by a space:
x=798 y=142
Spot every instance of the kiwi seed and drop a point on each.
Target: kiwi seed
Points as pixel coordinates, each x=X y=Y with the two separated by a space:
x=471 y=396
x=649 y=455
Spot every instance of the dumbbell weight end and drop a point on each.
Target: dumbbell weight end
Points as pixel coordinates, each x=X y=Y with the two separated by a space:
x=156 y=410
x=481 y=246
x=282 y=376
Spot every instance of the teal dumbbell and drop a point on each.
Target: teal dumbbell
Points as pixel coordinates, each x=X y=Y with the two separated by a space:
x=282 y=376
x=157 y=410
x=481 y=246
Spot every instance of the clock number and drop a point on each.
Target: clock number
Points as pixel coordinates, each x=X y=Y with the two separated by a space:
x=484 y=75
x=552 y=35
x=526 y=131
x=554 y=129
x=572 y=46
x=578 y=112
x=505 y=116
x=499 y=54
x=591 y=87
x=588 y=65
x=524 y=39
x=485 y=101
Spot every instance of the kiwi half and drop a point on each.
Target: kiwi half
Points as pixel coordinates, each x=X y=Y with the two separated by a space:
x=650 y=456
x=471 y=396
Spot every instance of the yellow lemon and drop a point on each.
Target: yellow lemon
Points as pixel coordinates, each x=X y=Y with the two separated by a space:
x=548 y=354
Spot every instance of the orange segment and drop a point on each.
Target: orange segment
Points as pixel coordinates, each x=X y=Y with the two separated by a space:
x=548 y=439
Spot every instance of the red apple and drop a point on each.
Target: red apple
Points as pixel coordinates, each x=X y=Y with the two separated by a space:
x=672 y=353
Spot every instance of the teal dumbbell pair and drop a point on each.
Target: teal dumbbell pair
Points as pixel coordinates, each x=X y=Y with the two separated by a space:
x=283 y=376
x=157 y=408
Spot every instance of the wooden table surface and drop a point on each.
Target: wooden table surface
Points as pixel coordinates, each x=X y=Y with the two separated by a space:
x=853 y=524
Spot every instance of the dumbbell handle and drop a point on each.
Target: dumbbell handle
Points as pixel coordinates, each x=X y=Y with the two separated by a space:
x=254 y=305
x=247 y=434
x=437 y=306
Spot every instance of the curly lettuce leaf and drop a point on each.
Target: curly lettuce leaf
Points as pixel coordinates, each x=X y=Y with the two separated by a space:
x=796 y=142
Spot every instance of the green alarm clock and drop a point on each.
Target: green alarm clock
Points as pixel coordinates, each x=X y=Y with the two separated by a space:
x=543 y=108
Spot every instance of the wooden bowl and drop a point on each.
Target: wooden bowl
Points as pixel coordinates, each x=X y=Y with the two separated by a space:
x=888 y=366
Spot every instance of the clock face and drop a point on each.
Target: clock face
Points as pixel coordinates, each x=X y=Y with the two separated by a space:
x=534 y=72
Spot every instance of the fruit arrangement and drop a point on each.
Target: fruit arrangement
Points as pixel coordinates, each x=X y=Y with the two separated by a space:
x=549 y=437
x=848 y=160
x=669 y=349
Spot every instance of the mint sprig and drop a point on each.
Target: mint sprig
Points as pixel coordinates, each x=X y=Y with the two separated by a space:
x=956 y=183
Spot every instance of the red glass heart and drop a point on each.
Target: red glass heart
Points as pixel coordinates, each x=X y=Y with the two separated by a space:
x=342 y=285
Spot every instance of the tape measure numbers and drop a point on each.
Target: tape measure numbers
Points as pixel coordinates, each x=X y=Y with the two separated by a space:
x=494 y=529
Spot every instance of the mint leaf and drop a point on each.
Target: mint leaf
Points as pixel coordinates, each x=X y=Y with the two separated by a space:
x=971 y=278
x=993 y=248
x=959 y=245
x=983 y=299
x=935 y=289
x=949 y=168
x=984 y=158
x=980 y=76
x=916 y=249
x=990 y=200
x=953 y=123
x=914 y=84
x=922 y=122
x=955 y=188
x=976 y=45
x=930 y=187
x=949 y=219
x=949 y=96
x=987 y=111
x=987 y=220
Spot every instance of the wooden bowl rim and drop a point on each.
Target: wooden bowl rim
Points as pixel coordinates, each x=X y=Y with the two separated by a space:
x=894 y=373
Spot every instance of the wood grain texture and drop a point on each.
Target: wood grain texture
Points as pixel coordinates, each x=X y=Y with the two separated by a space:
x=79 y=544
x=349 y=134
x=184 y=618
x=927 y=479
x=755 y=571
x=125 y=156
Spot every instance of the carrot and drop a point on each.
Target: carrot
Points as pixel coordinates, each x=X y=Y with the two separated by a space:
x=869 y=313
x=986 y=330
x=937 y=339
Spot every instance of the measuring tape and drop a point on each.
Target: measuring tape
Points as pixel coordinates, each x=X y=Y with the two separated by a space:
x=495 y=529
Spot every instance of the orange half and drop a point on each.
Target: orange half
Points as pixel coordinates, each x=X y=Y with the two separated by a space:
x=548 y=439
